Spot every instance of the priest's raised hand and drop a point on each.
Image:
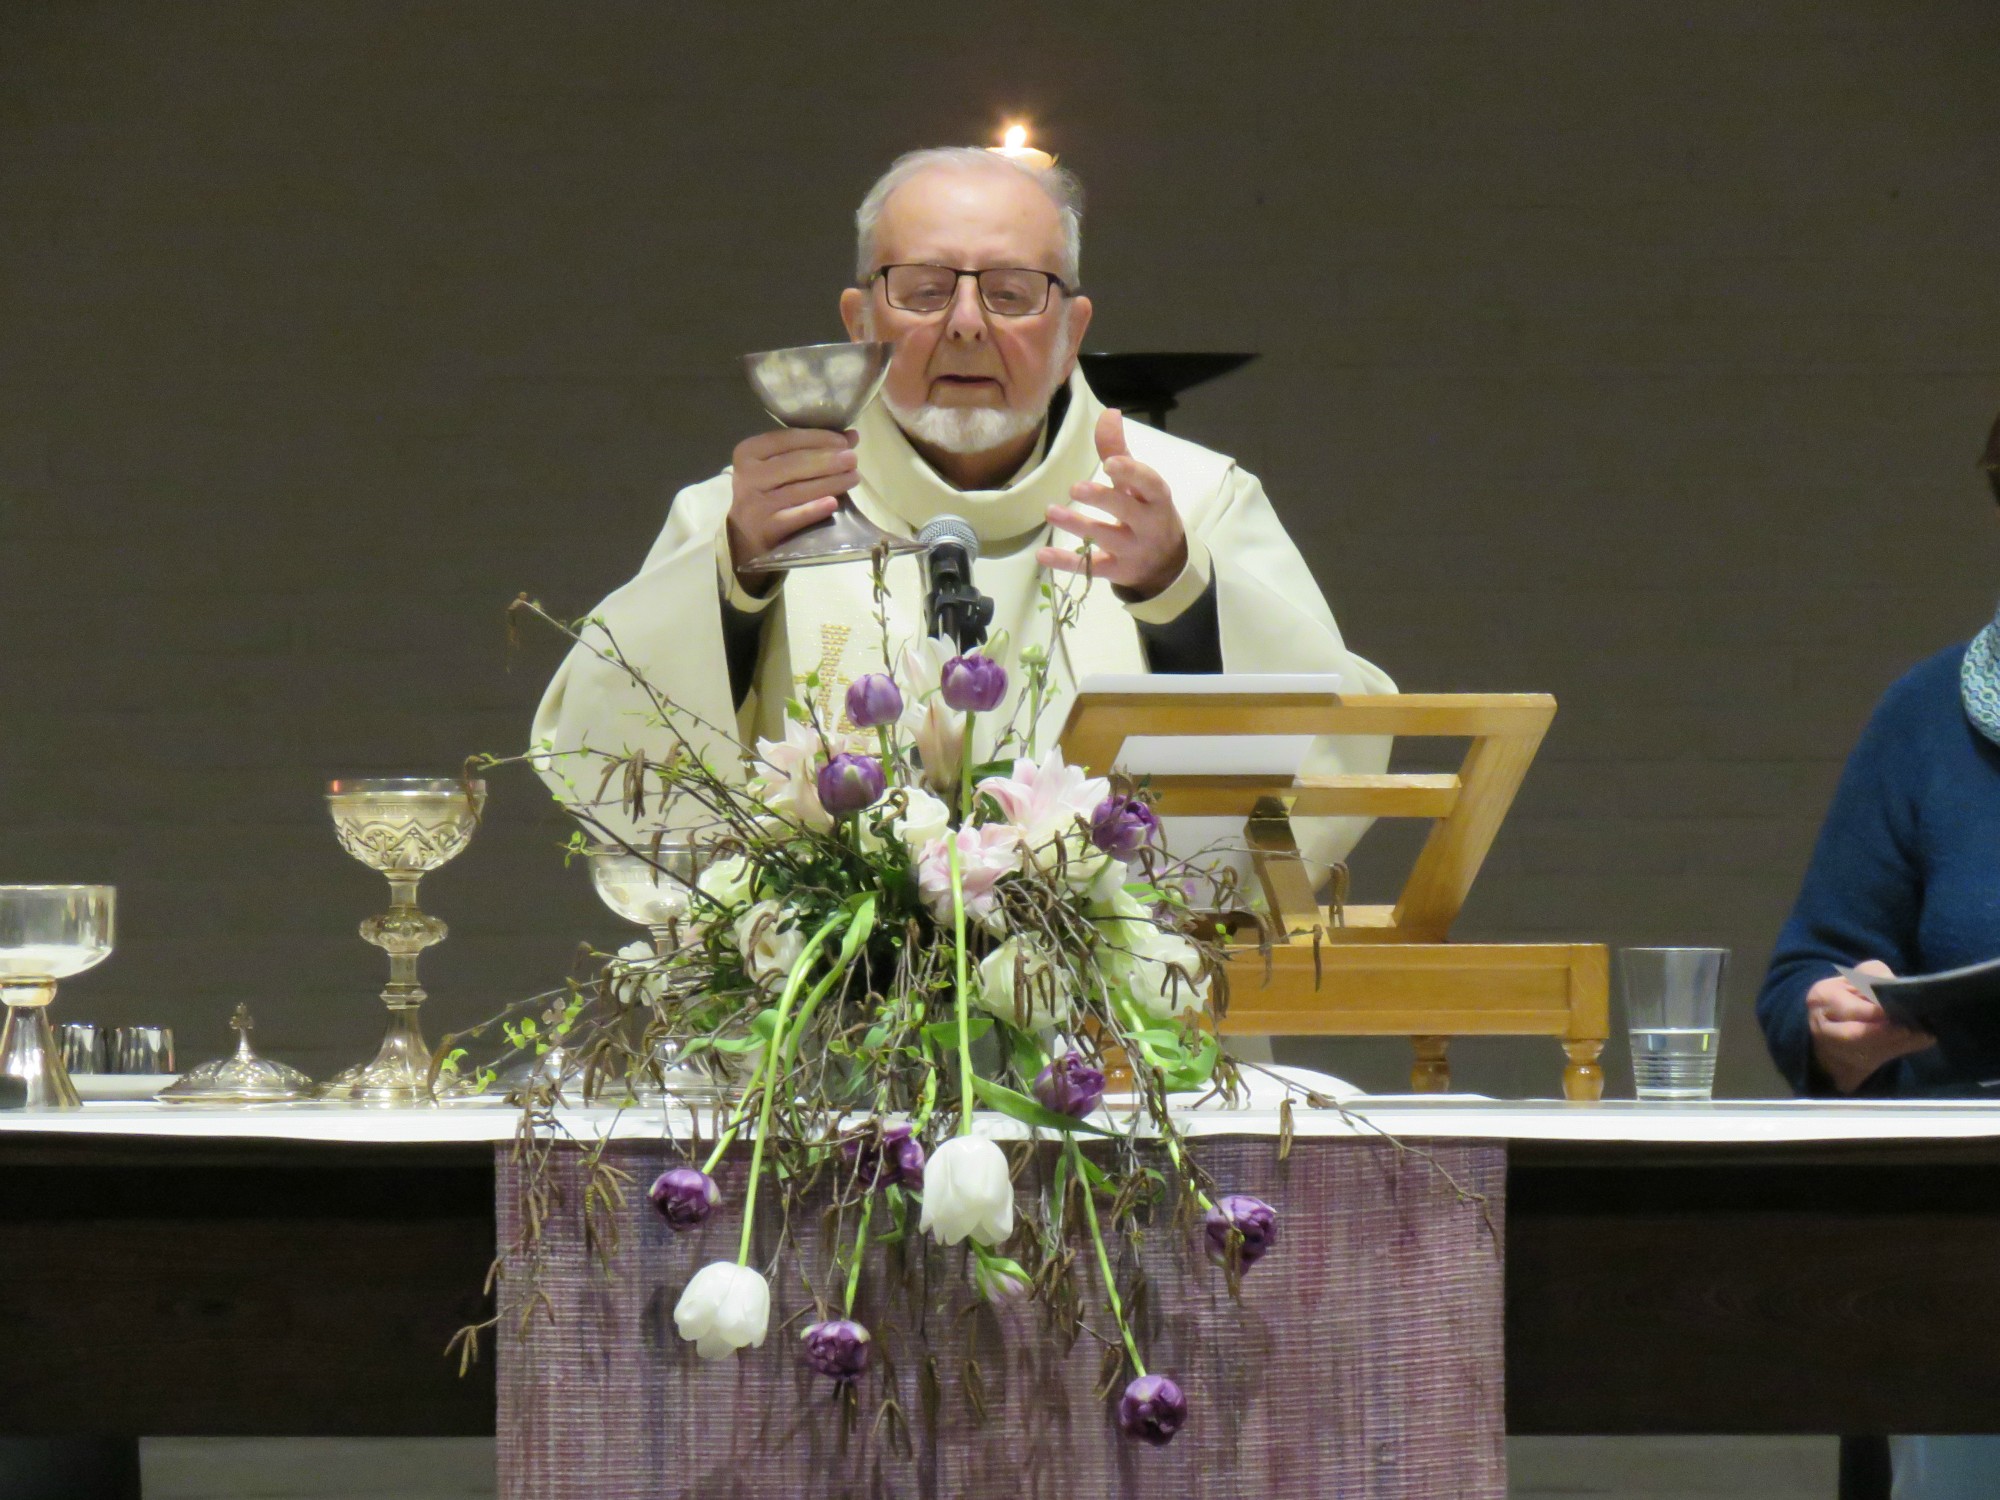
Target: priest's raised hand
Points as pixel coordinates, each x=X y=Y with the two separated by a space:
x=780 y=483
x=1131 y=529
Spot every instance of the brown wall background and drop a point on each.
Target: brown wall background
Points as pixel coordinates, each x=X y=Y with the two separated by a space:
x=1636 y=353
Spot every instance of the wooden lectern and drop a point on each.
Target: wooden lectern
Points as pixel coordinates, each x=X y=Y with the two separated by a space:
x=1367 y=970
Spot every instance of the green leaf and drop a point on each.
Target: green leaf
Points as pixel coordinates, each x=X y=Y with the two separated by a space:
x=1199 y=1068
x=1027 y=1111
x=945 y=1033
x=765 y=1026
x=1025 y=1051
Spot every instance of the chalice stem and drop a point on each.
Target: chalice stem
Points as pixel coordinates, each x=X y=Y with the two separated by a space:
x=28 y=1052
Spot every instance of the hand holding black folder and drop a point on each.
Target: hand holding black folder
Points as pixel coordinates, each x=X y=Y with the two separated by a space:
x=1960 y=1007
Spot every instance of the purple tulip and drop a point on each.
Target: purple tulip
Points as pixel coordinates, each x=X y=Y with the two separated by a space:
x=848 y=783
x=1252 y=1218
x=973 y=684
x=1152 y=1410
x=896 y=1159
x=684 y=1196
x=996 y=1284
x=837 y=1349
x=1122 y=825
x=1069 y=1086
x=873 y=701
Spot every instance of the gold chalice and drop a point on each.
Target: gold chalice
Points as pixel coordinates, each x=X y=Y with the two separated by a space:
x=47 y=933
x=404 y=826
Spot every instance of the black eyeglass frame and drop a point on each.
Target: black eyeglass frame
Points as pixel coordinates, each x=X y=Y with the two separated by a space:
x=1055 y=284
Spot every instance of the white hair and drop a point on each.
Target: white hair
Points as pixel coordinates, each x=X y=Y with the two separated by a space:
x=1058 y=182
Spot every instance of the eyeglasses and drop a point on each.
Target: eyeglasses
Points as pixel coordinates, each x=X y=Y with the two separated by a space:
x=1004 y=291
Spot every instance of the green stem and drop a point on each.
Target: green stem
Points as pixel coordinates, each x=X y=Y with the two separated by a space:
x=1103 y=1259
x=1121 y=1008
x=770 y=1060
x=860 y=1248
x=965 y=773
x=769 y=1052
x=964 y=1005
x=929 y=1102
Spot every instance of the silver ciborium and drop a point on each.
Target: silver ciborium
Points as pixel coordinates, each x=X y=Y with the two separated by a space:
x=405 y=827
x=823 y=386
x=47 y=933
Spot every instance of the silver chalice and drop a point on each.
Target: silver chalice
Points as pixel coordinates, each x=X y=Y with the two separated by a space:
x=653 y=885
x=47 y=933
x=405 y=827
x=823 y=386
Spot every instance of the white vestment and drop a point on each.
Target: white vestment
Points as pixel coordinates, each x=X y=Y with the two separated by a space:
x=667 y=621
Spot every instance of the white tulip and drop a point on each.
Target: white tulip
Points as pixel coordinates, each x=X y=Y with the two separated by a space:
x=1019 y=984
x=968 y=1192
x=769 y=940
x=725 y=1308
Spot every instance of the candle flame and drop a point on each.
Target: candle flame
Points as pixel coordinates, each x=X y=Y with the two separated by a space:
x=1014 y=137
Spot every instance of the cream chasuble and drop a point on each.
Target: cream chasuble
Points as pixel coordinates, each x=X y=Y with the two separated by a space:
x=668 y=620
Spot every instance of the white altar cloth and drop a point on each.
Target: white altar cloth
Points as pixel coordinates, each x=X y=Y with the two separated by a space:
x=1748 y=1122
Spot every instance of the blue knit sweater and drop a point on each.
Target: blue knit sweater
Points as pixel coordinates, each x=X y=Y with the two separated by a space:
x=1907 y=870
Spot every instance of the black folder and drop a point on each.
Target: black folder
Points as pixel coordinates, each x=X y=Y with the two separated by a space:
x=1960 y=1007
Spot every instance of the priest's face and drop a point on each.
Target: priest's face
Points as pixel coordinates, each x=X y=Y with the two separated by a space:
x=963 y=379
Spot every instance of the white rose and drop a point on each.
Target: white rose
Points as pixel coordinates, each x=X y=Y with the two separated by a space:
x=639 y=966
x=1019 y=984
x=1107 y=895
x=924 y=819
x=967 y=1192
x=769 y=941
x=1161 y=970
x=727 y=882
x=725 y=1308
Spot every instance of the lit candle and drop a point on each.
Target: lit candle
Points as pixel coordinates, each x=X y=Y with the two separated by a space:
x=1014 y=146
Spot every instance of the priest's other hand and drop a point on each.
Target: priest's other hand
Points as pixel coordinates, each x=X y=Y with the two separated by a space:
x=1852 y=1035
x=1142 y=547
x=781 y=483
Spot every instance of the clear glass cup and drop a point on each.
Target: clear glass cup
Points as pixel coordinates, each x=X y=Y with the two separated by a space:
x=1671 y=995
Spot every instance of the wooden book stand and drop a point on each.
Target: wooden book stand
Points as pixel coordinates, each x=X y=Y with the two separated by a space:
x=1373 y=970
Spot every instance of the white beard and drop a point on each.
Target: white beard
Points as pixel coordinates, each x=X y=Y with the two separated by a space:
x=963 y=429
x=976 y=429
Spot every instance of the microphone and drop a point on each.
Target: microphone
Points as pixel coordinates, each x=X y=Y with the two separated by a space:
x=952 y=606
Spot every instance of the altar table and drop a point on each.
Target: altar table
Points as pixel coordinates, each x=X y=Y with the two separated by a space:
x=1726 y=1268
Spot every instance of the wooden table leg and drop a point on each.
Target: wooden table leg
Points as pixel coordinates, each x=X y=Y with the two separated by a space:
x=1431 y=1072
x=1583 y=1075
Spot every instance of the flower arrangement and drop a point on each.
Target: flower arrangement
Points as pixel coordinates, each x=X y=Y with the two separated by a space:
x=886 y=936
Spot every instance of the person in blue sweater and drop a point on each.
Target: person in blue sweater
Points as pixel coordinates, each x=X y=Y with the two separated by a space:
x=1905 y=879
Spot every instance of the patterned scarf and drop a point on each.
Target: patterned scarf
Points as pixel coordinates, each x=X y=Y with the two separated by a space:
x=1979 y=681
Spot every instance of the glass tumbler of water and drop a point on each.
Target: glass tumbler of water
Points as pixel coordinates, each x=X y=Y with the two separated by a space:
x=1670 y=1002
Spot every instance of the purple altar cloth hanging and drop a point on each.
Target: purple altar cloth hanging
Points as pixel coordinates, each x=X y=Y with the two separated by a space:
x=1365 y=1360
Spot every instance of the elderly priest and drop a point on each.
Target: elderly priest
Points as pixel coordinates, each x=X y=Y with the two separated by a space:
x=968 y=263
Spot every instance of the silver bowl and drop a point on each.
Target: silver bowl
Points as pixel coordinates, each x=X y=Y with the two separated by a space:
x=818 y=385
